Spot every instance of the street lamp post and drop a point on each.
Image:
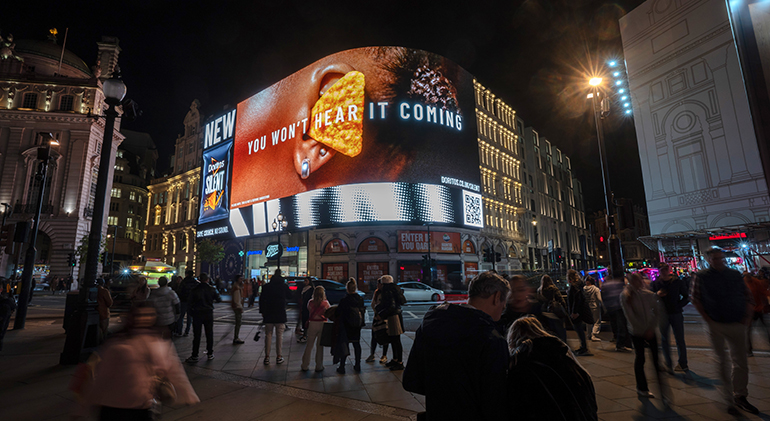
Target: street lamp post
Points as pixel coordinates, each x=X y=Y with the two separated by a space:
x=85 y=319
x=43 y=154
x=279 y=224
x=601 y=111
x=112 y=258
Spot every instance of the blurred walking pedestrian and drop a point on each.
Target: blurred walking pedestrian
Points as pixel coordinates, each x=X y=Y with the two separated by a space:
x=519 y=303
x=580 y=313
x=459 y=359
x=674 y=295
x=611 y=291
x=545 y=382
x=317 y=306
x=237 y=306
x=594 y=299
x=167 y=307
x=7 y=307
x=135 y=363
x=272 y=305
x=141 y=291
x=103 y=304
x=642 y=310
x=202 y=299
x=351 y=315
x=389 y=309
x=185 y=287
x=722 y=298
x=759 y=294
x=553 y=304
x=305 y=295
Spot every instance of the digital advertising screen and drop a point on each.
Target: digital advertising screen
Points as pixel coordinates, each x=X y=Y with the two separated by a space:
x=376 y=134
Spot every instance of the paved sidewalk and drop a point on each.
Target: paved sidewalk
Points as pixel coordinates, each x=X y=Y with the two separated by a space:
x=237 y=385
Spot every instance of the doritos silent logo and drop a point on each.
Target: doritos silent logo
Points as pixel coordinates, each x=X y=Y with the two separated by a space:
x=214 y=203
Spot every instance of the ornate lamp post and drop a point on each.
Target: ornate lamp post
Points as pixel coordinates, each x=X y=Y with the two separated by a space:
x=279 y=224
x=44 y=155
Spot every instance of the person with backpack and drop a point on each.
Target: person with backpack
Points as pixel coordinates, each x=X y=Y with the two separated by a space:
x=351 y=315
x=578 y=310
x=183 y=291
x=272 y=305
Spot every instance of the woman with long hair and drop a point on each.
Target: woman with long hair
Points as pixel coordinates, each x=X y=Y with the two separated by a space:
x=317 y=306
x=377 y=324
x=553 y=304
x=545 y=382
x=141 y=291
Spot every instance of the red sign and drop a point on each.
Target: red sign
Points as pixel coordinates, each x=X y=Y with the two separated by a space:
x=417 y=242
x=336 y=271
x=336 y=246
x=468 y=247
x=471 y=270
x=372 y=271
x=727 y=236
x=411 y=273
x=372 y=245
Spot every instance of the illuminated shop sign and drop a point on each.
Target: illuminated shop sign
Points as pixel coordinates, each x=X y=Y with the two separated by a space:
x=274 y=251
x=417 y=242
x=734 y=235
x=213 y=231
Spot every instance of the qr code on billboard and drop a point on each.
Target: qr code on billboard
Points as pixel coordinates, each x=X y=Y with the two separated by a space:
x=472 y=209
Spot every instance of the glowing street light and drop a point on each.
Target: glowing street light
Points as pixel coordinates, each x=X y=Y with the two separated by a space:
x=595 y=81
x=612 y=63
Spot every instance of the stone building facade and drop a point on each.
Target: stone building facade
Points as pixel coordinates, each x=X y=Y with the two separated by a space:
x=40 y=94
x=172 y=214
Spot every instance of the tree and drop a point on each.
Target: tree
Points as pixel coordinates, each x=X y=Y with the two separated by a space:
x=82 y=250
x=211 y=252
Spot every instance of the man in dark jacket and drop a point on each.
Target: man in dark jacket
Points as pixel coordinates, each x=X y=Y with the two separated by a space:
x=272 y=305
x=458 y=352
x=201 y=305
x=188 y=283
x=724 y=301
x=674 y=294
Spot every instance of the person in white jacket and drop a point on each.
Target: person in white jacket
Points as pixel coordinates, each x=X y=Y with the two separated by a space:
x=594 y=299
x=643 y=310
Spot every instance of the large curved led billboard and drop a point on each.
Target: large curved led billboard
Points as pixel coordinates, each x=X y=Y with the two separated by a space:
x=379 y=114
x=373 y=134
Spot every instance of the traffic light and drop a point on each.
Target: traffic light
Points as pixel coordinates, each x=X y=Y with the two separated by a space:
x=71 y=260
x=425 y=261
x=497 y=257
x=487 y=255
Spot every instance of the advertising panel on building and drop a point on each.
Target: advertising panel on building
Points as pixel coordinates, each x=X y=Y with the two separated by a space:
x=215 y=175
x=380 y=134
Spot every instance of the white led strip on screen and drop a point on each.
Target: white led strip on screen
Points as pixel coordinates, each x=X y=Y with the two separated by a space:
x=239 y=225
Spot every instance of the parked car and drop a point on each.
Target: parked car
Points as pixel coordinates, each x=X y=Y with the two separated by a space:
x=334 y=290
x=417 y=291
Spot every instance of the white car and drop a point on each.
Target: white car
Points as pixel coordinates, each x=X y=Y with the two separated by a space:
x=417 y=291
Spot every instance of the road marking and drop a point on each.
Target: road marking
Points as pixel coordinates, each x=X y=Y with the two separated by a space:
x=412 y=314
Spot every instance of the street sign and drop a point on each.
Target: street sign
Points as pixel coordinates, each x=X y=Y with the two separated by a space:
x=550 y=246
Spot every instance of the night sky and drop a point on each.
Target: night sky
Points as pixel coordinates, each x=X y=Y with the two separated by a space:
x=533 y=54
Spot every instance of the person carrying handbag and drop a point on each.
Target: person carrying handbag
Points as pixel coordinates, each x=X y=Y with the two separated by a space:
x=389 y=309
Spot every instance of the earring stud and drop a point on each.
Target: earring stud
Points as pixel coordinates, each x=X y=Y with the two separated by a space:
x=305 y=171
x=322 y=152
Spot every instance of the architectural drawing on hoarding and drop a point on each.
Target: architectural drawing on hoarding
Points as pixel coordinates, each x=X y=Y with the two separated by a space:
x=700 y=158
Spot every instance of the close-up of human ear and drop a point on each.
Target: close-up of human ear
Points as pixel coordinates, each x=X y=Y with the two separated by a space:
x=335 y=120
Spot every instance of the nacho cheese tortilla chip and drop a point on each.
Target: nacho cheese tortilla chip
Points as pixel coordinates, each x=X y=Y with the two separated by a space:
x=342 y=106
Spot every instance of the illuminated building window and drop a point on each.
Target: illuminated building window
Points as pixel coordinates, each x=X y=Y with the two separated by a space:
x=65 y=103
x=29 y=101
x=132 y=196
x=115 y=192
x=118 y=167
x=112 y=220
x=130 y=222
